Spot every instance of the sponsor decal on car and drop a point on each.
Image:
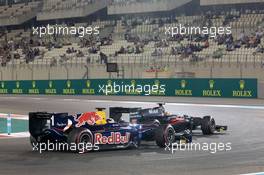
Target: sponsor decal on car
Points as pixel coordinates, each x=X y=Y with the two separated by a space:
x=114 y=138
x=88 y=117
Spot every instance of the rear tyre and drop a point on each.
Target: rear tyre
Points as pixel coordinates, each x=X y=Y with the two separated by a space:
x=165 y=135
x=208 y=125
x=82 y=138
x=36 y=145
x=33 y=141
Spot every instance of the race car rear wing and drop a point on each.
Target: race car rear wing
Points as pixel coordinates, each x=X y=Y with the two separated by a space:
x=39 y=121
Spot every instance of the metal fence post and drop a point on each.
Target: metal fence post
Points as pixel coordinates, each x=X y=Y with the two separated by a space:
x=49 y=74
x=132 y=72
x=12 y=59
x=67 y=71
x=1 y=75
x=238 y=60
x=87 y=72
x=246 y=62
x=254 y=61
x=241 y=71
x=32 y=72
x=229 y=61
x=206 y=59
x=211 y=72
x=16 y=76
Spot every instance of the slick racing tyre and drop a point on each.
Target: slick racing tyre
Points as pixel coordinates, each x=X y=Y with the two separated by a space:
x=208 y=125
x=165 y=135
x=37 y=145
x=33 y=141
x=81 y=138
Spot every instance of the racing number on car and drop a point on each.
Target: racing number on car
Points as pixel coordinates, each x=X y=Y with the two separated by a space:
x=52 y=120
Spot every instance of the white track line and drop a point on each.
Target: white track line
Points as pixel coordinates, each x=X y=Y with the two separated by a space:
x=181 y=104
x=14 y=116
x=258 y=173
x=15 y=135
x=138 y=102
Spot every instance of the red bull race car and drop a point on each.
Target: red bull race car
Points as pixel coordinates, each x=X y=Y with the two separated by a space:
x=93 y=131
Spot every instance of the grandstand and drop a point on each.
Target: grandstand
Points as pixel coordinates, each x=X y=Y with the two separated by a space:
x=18 y=13
x=136 y=40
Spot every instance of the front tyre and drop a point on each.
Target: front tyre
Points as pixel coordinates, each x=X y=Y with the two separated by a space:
x=165 y=135
x=208 y=125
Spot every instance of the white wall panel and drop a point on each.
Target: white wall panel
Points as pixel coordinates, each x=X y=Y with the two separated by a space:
x=222 y=2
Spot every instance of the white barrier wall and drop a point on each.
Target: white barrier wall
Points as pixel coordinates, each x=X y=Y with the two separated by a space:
x=77 y=71
x=73 y=12
x=222 y=2
x=164 y=5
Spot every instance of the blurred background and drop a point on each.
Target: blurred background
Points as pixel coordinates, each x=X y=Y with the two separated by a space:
x=132 y=34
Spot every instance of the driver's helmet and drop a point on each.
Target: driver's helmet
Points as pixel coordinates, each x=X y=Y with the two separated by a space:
x=102 y=120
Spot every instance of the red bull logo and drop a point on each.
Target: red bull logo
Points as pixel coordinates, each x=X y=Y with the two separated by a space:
x=114 y=138
x=89 y=117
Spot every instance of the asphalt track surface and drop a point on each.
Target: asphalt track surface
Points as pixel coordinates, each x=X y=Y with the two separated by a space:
x=245 y=120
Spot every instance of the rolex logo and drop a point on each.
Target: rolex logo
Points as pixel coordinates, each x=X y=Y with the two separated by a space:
x=88 y=83
x=50 y=84
x=157 y=82
x=211 y=84
x=242 y=84
x=2 y=85
x=109 y=82
x=17 y=84
x=68 y=84
x=133 y=82
x=33 y=84
x=183 y=84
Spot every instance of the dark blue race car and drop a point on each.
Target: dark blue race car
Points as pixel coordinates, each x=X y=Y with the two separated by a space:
x=95 y=129
x=180 y=123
